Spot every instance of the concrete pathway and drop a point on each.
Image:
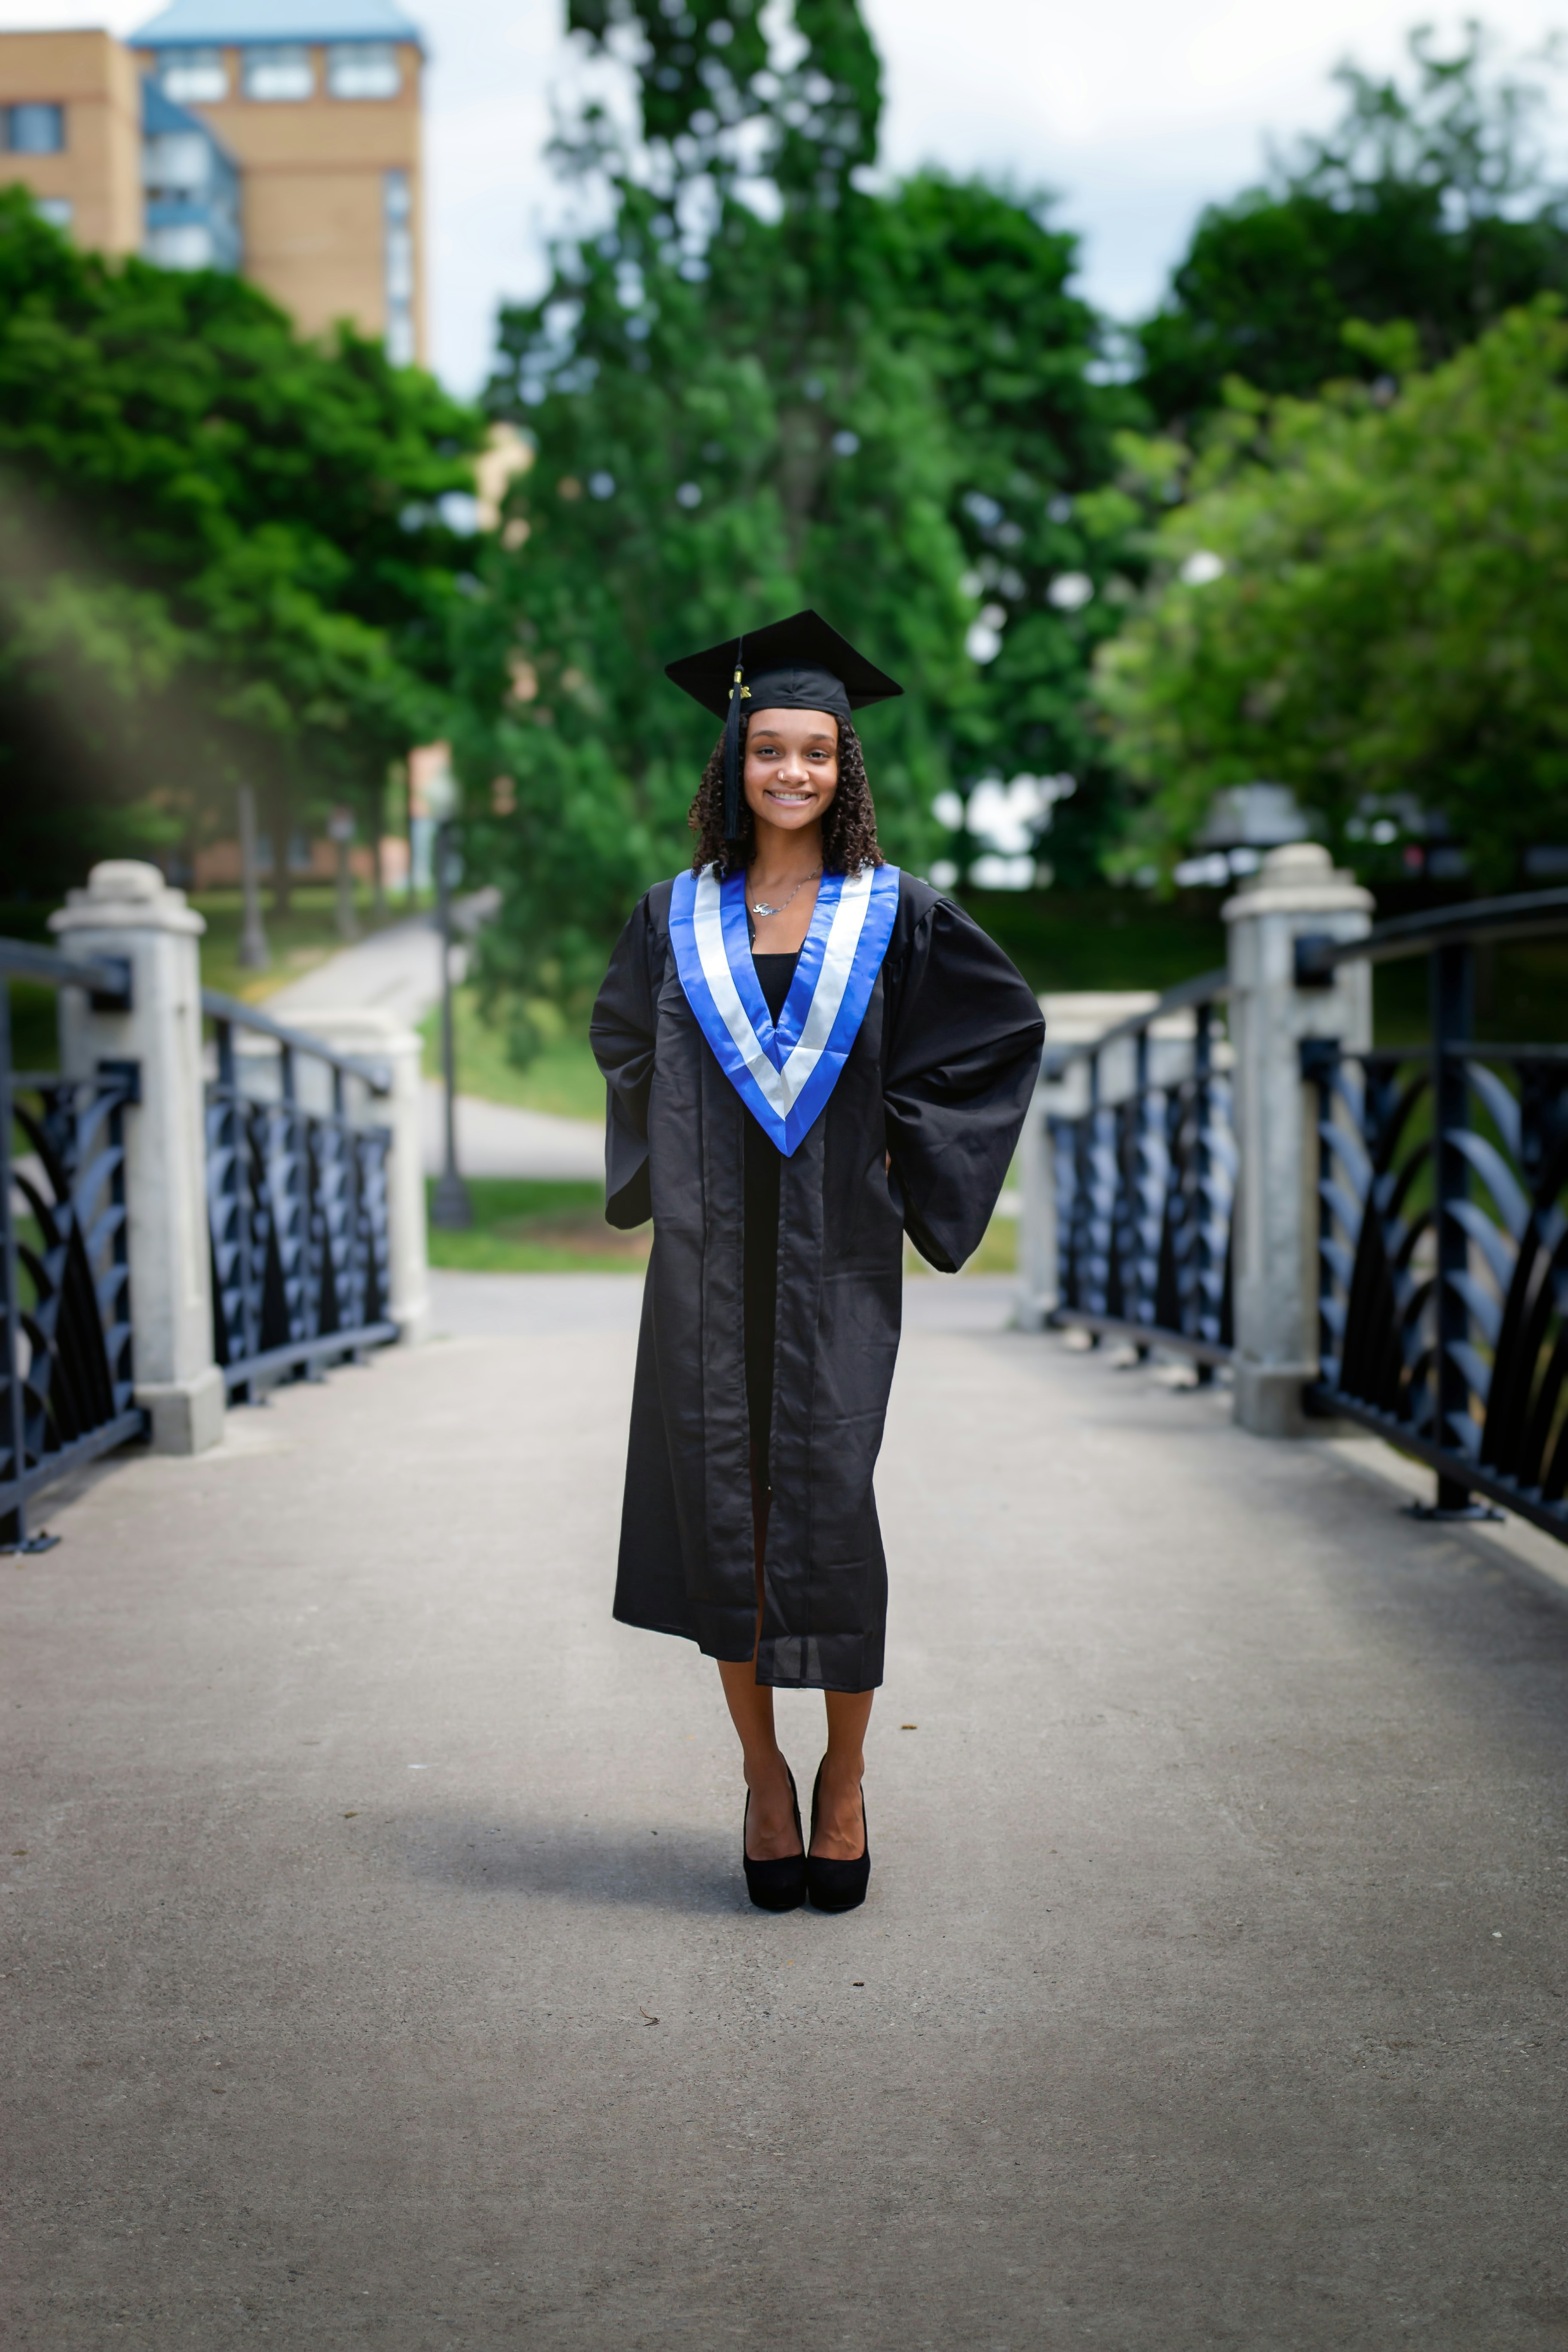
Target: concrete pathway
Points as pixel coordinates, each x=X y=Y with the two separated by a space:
x=380 y=1970
x=398 y=970
x=498 y=1140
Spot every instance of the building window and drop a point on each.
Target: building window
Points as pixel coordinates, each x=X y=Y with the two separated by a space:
x=194 y=77
x=58 y=211
x=34 y=130
x=397 y=222
x=176 y=163
x=181 y=244
x=279 y=72
x=364 y=69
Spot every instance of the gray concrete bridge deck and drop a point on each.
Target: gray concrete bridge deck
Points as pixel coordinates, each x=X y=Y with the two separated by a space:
x=380 y=1972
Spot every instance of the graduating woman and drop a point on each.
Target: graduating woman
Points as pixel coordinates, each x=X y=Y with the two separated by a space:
x=808 y=1056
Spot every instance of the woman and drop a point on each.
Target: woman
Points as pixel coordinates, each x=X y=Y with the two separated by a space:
x=808 y=1055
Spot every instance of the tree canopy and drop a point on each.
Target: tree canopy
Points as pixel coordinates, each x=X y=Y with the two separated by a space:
x=223 y=553
x=1364 y=596
x=1430 y=202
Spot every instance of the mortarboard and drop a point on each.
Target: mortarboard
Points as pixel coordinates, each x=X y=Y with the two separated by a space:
x=800 y=663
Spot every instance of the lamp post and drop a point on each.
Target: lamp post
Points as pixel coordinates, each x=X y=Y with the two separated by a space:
x=253 y=952
x=341 y=832
x=451 y=1209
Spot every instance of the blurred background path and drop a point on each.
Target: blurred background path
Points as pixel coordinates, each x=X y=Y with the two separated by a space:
x=381 y=1970
x=399 y=971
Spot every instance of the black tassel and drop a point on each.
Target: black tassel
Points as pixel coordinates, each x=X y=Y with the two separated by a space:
x=732 y=754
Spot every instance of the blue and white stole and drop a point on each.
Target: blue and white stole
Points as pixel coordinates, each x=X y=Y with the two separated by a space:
x=784 y=1075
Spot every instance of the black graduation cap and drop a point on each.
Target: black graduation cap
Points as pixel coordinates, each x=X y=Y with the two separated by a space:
x=800 y=663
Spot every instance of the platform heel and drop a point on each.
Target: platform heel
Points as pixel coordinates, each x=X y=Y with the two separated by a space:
x=778 y=1885
x=837 y=1885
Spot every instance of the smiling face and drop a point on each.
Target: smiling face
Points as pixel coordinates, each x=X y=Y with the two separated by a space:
x=792 y=767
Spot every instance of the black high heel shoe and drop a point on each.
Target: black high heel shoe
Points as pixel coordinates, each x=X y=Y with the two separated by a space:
x=837 y=1885
x=777 y=1885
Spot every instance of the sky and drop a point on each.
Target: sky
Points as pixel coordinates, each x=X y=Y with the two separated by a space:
x=1134 y=112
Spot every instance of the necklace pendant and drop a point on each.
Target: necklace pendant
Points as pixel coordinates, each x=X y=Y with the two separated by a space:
x=759 y=907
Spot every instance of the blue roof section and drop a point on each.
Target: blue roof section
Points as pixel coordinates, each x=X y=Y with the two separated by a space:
x=215 y=24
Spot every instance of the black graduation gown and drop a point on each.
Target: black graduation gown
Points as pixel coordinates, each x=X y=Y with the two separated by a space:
x=941 y=1077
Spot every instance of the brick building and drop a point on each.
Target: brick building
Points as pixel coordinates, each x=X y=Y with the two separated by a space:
x=278 y=137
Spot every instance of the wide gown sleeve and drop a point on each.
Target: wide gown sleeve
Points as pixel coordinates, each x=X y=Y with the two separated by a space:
x=964 y=1056
x=622 y=1035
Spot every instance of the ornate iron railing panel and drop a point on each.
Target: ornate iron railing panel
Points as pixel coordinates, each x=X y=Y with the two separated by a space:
x=1443 y=1253
x=297 y=1209
x=66 y=1375
x=1145 y=1190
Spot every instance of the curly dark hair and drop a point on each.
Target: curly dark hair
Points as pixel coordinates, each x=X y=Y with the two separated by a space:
x=849 y=829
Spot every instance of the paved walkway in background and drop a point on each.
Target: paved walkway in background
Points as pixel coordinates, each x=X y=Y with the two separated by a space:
x=380 y=1970
x=398 y=970
x=496 y=1139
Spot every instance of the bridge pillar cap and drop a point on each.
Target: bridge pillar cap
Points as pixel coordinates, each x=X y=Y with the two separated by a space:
x=1299 y=879
x=126 y=893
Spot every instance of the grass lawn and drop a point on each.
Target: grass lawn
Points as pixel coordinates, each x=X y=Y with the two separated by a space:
x=524 y=1227
x=564 y=1080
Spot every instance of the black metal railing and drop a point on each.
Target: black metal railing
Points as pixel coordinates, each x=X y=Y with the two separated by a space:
x=65 y=1373
x=296 y=1206
x=1443 y=1226
x=1145 y=1184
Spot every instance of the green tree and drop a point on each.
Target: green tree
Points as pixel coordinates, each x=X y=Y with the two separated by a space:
x=223 y=553
x=979 y=285
x=1429 y=203
x=1363 y=597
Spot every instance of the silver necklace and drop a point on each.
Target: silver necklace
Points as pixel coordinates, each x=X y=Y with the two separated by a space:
x=761 y=908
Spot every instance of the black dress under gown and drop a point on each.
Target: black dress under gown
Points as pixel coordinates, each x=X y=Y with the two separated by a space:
x=939 y=1076
x=760 y=1209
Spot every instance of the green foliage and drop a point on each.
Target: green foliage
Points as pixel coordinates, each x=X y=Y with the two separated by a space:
x=1429 y=204
x=221 y=555
x=1391 y=618
x=978 y=285
x=767 y=384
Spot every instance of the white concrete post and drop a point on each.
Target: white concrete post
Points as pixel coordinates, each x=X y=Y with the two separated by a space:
x=128 y=910
x=1295 y=891
x=1038 y=1286
x=378 y=1036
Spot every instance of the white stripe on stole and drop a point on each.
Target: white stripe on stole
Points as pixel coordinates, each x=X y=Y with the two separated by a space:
x=781 y=1088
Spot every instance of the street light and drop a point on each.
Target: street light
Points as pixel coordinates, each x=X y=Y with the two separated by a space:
x=341 y=832
x=451 y=1209
x=254 y=955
